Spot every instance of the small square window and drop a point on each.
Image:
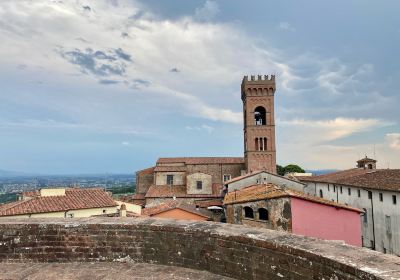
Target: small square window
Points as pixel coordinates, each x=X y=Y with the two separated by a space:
x=394 y=199
x=70 y=215
x=104 y=211
x=170 y=179
x=380 y=197
x=227 y=177
x=199 y=185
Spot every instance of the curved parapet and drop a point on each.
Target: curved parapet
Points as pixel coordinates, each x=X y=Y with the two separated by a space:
x=231 y=250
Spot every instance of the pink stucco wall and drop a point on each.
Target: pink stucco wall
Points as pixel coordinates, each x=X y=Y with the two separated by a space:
x=325 y=222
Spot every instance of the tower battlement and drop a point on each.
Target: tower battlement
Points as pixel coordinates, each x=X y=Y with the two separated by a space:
x=259 y=79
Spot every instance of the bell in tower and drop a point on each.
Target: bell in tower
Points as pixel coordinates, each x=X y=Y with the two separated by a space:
x=259 y=123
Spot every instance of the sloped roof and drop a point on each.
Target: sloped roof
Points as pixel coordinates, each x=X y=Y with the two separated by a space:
x=158 y=191
x=380 y=179
x=73 y=199
x=170 y=169
x=247 y=175
x=202 y=160
x=366 y=159
x=270 y=191
x=167 y=206
x=149 y=170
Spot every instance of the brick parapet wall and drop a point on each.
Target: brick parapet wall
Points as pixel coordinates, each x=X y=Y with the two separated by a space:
x=236 y=251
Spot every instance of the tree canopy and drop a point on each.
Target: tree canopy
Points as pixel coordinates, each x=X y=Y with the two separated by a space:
x=290 y=168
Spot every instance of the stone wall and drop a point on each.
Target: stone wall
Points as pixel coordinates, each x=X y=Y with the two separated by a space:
x=217 y=171
x=231 y=250
x=191 y=183
x=143 y=182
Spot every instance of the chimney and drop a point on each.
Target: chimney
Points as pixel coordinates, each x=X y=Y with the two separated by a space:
x=122 y=210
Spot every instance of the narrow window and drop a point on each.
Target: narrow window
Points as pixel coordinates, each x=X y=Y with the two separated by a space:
x=380 y=197
x=321 y=194
x=365 y=216
x=263 y=214
x=199 y=185
x=388 y=223
x=394 y=199
x=349 y=190
x=369 y=195
x=328 y=188
x=265 y=144
x=170 y=179
x=341 y=189
x=334 y=188
x=227 y=177
x=257 y=145
x=248 y=212
x=359 y=193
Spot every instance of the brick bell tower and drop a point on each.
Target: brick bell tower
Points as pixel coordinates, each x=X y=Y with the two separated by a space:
x=259 y=123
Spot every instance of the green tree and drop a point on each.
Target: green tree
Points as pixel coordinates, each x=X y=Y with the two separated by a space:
x=280 y=170
x=293 y=168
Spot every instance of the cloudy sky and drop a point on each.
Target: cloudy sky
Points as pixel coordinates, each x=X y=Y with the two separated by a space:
x=90 y=86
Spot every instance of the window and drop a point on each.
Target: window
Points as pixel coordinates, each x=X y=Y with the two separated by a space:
x=394 y=199
x=170 y=179
x=248 y=212
x=365 y=216
x=227 y=177
x=321 y=194
x=380 y=197
x=369 y=195
x=328 y=188
x=370 y=166
x=359 y=193
x=261 y=143
x=334 y=188
x=199 y=185
x=260 y=116
x=263 y=214
x=341 y=189
x=104 y=211
x=349 y=190
x=70 y=215
x=388 y=223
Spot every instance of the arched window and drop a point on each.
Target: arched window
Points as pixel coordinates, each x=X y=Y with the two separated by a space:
x=248 y=212
x=321 y=194
x=257 y=145
x=260 y=116
x=265 y=144
x=370 y=166
x=263 y=214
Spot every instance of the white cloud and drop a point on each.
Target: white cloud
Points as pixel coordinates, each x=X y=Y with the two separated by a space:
x=286 y=26
x=394 y=140
x=125 y=143
x=202 y=127
x=208 y=11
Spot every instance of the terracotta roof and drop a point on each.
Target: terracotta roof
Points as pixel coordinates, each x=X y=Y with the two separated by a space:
x=208 y=203
x=379 y=179
x=170 y=169
x=202 y=160
x=179 y=191
x=149 y=170
x=167 y=206
x=72 y=200
x=366 y=159
x=270 y=191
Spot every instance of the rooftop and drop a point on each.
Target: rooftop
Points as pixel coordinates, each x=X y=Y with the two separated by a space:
x=202 y=160
x=163 y=207
x=73 y=199
x=165 y=191
x=270 y=191
x=380 y=179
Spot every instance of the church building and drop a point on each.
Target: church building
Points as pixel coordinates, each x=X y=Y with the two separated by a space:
x=200 y=180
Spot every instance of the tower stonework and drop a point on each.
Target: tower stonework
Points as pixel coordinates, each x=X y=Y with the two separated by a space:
x=259 y=123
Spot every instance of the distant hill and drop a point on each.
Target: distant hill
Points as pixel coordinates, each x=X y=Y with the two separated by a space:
x=8 y=173
x=321 y=171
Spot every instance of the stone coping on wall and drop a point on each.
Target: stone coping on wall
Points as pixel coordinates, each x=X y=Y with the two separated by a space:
x=231 y=250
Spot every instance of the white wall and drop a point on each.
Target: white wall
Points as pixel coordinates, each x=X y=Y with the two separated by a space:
x=381 y=210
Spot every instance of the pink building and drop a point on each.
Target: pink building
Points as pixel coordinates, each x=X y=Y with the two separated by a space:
x=273 y=207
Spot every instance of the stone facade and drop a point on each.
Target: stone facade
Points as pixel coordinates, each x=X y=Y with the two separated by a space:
x=178 y=178
x=199 y=183
x=229 y=250
x=259 y=123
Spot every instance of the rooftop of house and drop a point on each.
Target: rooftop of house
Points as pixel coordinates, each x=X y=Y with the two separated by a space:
x=202 y=160
x=270 y=191
x=366 y=159
x=157 y=191
x=64 y=199
x=167 y=206
x=379 y=179
x=247 y=175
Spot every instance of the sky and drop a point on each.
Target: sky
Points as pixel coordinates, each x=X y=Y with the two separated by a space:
x=94 y=86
